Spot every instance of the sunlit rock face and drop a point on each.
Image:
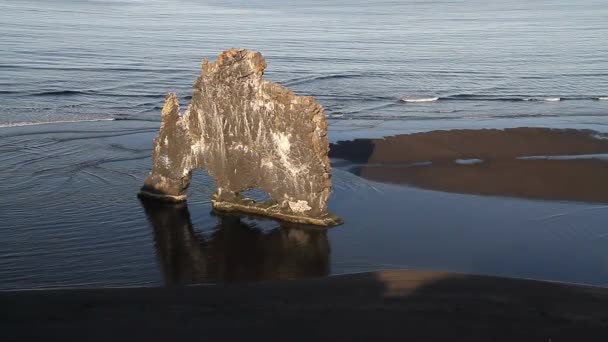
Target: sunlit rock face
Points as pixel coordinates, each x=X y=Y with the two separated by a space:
x=247 y=132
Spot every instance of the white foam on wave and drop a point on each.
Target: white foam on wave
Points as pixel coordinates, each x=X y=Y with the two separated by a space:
x=602 y=156
x=20 y=124
x=546 y=99
x=419 y=99
x=468 y=161
x=603 y=98
x=600 y=136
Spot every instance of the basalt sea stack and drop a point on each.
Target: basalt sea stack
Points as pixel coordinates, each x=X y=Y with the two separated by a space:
x=247 y=133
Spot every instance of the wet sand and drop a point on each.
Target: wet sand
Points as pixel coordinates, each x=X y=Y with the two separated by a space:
x=387 y=306
x=535 y=163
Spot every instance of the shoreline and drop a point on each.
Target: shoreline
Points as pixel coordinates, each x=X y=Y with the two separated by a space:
x=536 y=218
x=328 y=278
x=386 y=305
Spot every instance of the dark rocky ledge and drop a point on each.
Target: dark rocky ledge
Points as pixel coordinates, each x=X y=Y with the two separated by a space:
x=248 y=133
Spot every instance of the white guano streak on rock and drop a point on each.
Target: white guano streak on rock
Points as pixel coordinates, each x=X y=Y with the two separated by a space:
x=299 y=206
x=166 y=162
x=283 y=148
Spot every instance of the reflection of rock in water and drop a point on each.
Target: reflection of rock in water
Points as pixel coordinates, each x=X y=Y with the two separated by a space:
x=235 y=251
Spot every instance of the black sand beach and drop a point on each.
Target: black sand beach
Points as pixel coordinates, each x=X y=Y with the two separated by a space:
x=386 y=306
x=517 y=203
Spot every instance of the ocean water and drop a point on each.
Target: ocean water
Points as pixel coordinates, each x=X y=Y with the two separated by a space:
x=71 y=60
x=69 y=215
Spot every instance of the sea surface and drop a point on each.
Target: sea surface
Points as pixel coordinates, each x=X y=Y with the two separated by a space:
x=69 y=60
x=82 y=83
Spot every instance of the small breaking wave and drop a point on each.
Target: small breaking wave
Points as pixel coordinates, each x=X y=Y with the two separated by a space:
x=603 y=98
x=518 y=98
x=546 y=99
x=417 y=99
x=60 y=93
x=601 y=156
x=315 y=78
x=137 y=119
x=20 y=124
x=469 y=97
x=600 y=136
x=90 y=92
x=468 y=161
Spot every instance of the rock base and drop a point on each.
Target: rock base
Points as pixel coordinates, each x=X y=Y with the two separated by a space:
x=272 y=210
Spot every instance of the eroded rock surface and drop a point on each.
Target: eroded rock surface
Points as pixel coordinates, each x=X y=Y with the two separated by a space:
x=247 y=133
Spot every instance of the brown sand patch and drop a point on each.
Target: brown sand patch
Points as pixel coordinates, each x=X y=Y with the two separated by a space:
x=500 y=172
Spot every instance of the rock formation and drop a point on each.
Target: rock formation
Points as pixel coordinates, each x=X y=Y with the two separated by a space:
x=247 y=133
